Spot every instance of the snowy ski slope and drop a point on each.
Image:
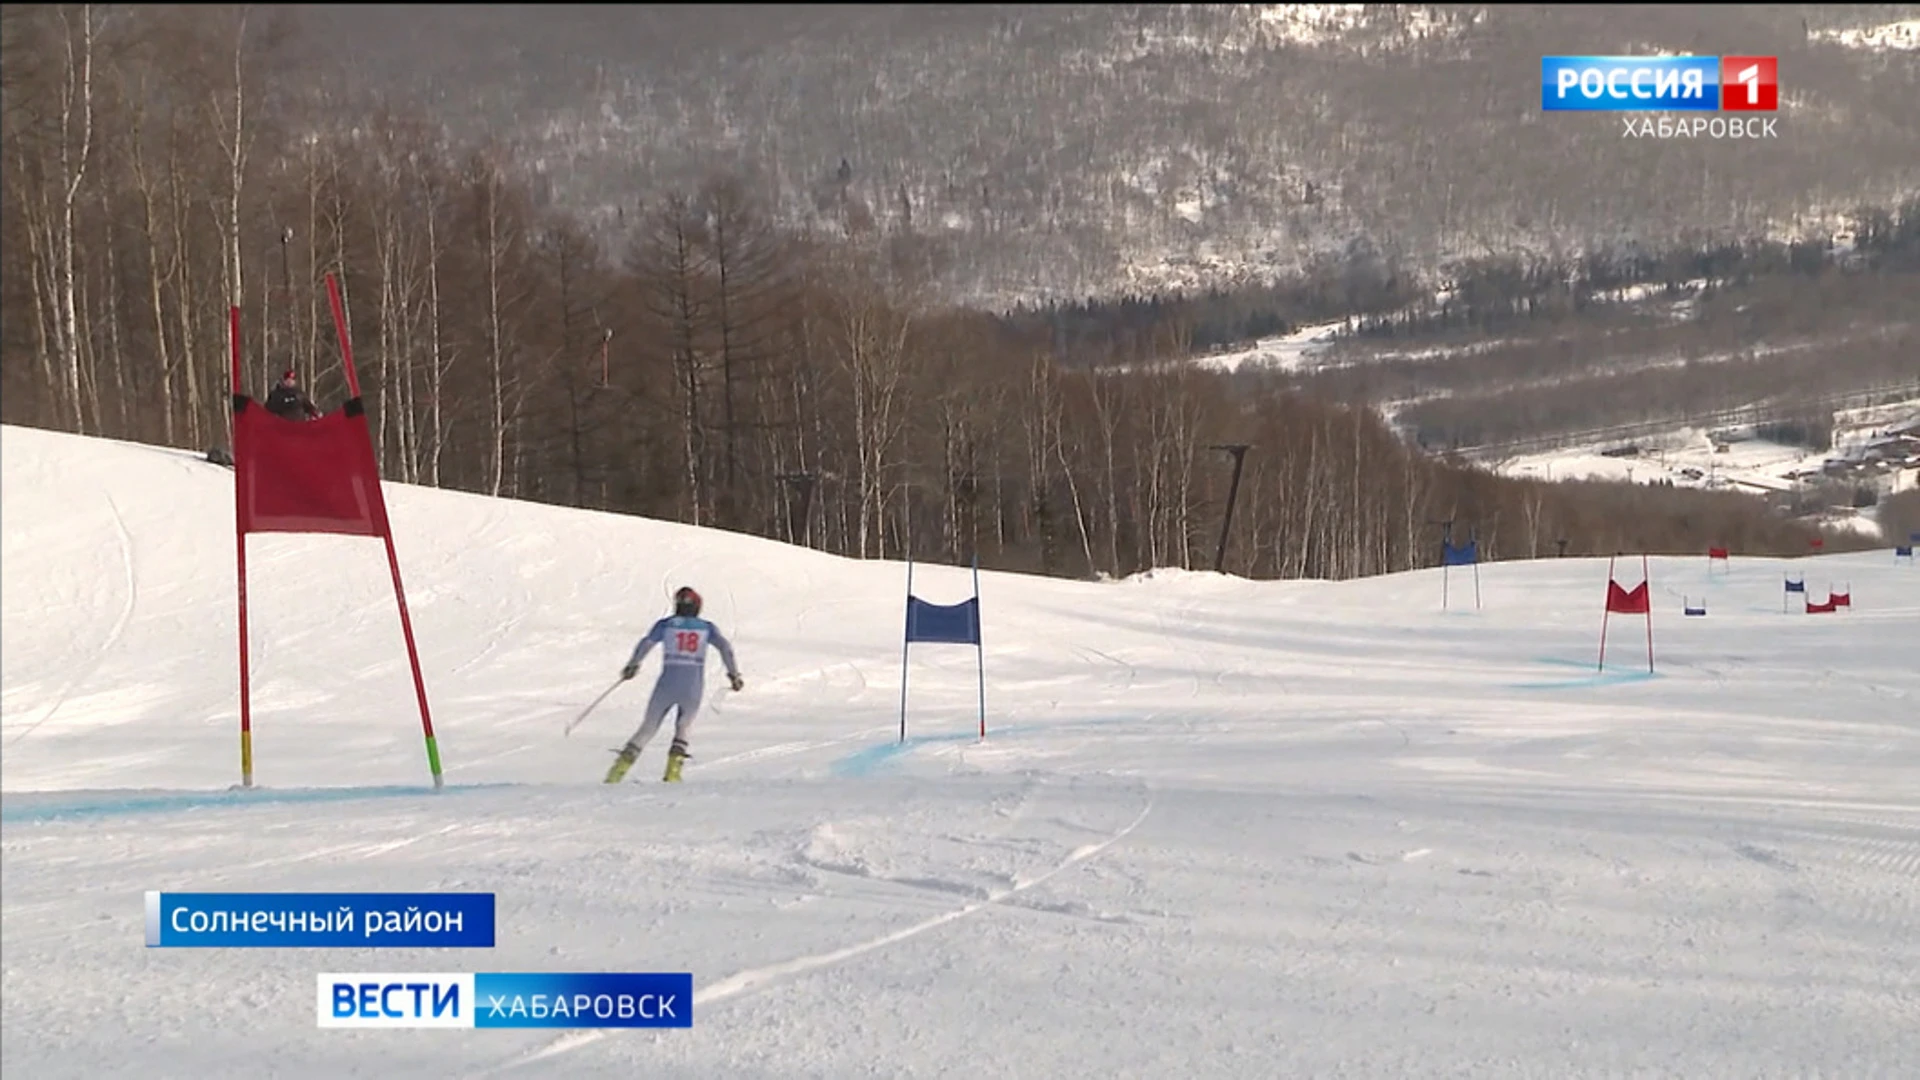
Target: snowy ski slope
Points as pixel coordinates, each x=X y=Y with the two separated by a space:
x=1218 y=828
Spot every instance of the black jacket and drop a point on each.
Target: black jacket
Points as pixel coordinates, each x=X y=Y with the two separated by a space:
x=292 y=403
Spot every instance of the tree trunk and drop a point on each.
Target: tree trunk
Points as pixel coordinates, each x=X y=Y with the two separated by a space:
x=436 y=369
x=496 y=344
x=180 y=206
x=76 y=109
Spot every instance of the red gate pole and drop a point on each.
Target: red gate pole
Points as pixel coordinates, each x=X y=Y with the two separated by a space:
x=1605 y=615
x=240 y=555
x=393 y=559
x=1646 y=576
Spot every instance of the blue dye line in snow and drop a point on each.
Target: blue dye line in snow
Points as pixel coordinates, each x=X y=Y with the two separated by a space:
x=1598 y=678
x=864 y=762
x=38 y=809
x=874 y=758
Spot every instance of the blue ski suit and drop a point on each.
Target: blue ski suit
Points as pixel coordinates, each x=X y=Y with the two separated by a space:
x=683 y=674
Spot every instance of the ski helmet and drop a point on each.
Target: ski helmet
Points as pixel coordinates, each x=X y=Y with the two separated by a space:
x=686 y=602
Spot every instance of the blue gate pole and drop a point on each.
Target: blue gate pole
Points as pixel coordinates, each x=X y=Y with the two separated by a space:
x=979 y=645
x=906 y=640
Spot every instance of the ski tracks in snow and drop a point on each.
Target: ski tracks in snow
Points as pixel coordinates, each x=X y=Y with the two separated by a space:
x=514 y=614
x=119 y=629
x=1860 y=864
x=752 y=980
x=788 y=749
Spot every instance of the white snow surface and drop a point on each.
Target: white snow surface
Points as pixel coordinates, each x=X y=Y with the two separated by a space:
x=1684 y=455
x=1217 y=828
x=1687 y=456
x=1299 y=350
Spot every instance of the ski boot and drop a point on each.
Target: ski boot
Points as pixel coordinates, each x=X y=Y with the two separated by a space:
x=676 y=756
x=621 y=763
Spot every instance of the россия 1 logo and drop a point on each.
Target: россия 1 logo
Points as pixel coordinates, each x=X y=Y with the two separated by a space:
x=1640 y=84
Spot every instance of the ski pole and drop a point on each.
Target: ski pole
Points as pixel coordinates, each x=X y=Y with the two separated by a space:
x=595 y=703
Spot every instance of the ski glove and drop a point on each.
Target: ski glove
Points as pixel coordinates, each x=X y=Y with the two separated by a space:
x=629 y=671
x=736 y=680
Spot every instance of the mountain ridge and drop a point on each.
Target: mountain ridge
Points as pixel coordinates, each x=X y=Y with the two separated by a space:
x=1019 y=153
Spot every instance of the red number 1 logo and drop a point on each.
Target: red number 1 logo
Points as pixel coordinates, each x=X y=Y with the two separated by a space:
x=1749 y=84
x=686 y=640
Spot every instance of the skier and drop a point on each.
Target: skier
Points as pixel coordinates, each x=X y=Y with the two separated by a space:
x=683 y=637
x=290 y=402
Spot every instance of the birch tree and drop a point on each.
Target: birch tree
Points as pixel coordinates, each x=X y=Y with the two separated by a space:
x=75 y=154
x=872 y=348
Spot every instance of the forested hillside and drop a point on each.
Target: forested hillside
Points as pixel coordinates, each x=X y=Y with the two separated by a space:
x=718 y=365
x=1023 y=152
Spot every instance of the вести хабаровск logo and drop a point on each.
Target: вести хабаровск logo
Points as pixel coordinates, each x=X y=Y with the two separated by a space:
x=505 y=999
